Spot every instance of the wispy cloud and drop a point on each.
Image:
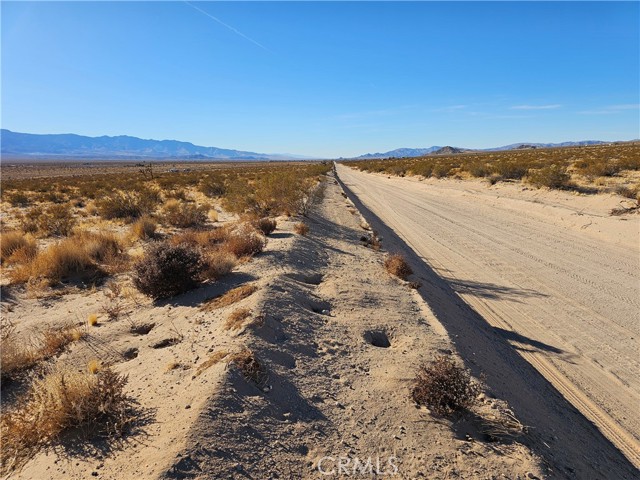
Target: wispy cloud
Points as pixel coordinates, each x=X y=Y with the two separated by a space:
x=611 y=109
x=234 y=30
x=536 y=107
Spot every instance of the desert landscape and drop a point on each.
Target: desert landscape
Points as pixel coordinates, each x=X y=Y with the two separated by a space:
x=310 y=309
x=319 y=240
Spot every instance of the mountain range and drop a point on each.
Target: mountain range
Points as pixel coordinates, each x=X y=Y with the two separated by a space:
x=448 y=150
x=123 y=146
x=29 y=145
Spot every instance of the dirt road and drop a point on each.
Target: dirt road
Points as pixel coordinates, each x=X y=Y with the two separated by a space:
x=550 y=272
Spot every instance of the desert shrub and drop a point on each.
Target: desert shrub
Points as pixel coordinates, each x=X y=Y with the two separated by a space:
x=282 y=192
x=178 y=194
x=552 y=176
x=56 y=220
x=61 y=261
x=265 y=225
x=396 y=265
x=422 y=168
x=30 y=220
x=212 y=187
x=183 y=215
x=123 y=205
x=301 y=228
x=240 y=197
x=597 y=167
x=510 y=169
x=16 y=247
x=144 y=228
x=245 y=241
x=18 y=199
x=494 y=178
x=63 y=400
x=477 y=168
x=444 y=387
x=629 y=192
x=631 y=162
x=441 y=170
x=218 y=264
x=398 y=170
x=167 y=270
x=148 y=199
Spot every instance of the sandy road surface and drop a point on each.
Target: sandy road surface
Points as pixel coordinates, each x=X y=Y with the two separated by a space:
x=555 y=277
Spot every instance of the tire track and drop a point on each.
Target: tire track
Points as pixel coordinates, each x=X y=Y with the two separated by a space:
x=585 y=278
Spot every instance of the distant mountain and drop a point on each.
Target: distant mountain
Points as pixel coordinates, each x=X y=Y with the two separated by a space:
x=448 y=150
x=400 y=152
x=123 y=146
x=519 y=146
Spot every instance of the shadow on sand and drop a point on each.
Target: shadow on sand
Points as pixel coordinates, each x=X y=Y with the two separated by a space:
x=569 y=444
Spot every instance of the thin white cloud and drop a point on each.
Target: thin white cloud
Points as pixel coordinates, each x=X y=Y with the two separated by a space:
x=628 y=106
x=234 y=30
x=536 y=107
x=611 y=109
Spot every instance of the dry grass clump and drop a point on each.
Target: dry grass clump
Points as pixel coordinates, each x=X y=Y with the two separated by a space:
x=144 y=228
x=167 y=270
x=76 y=256
x=444 y=387
x=21 y=353
x=301 y=228
x=232 y=296
x=265 y=225
x=92 y=319
x=245 y=241
x=552 y=176
x=103 y=247
x=183 y=214
x=217 y=264
x=396 y=265
x=60 y=261
x=249 y=366
x=213 y=359
x=16 y=247
x=237 y=318
x=61 y=401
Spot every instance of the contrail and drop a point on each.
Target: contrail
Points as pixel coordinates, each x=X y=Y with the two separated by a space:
x=228 y=26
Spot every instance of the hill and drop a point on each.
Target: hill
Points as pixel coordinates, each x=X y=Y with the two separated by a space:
x=122 y=146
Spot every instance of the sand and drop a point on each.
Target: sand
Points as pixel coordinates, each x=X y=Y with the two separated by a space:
x=329 y=396
x=552 y=276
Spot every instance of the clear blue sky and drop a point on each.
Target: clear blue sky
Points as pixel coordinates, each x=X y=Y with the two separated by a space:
x=323 y=78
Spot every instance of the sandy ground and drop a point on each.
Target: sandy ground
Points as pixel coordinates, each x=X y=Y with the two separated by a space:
x=330 y=396
x=554 y=277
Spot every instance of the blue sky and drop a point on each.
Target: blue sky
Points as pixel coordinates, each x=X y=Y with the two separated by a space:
x=324 y=78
